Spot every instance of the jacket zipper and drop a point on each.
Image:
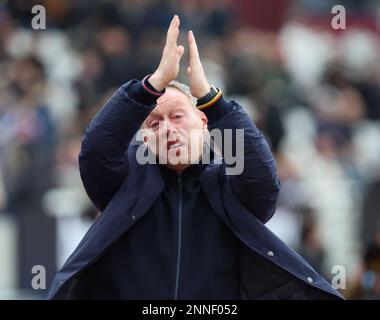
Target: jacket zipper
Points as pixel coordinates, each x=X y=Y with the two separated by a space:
x=179 y=237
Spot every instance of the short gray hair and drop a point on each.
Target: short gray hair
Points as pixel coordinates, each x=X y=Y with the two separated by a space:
x=185 y=89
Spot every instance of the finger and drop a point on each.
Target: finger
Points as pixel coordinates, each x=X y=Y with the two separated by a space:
x=193 y=49
x=170 y=28
x=188 y=70
x=170 y=25
x=173 y=32
x=180 y=51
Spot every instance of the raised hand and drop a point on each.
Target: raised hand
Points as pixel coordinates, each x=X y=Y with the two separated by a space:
x=171 y=56
x=199 y=85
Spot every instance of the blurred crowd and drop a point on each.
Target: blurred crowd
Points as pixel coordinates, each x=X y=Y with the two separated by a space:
x=313 y=91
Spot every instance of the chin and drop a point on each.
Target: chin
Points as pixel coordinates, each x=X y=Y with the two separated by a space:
x=178 y=167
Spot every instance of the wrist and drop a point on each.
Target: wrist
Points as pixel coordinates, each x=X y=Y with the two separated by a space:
x=202 y=91
x=156 y=82
x=209 y=98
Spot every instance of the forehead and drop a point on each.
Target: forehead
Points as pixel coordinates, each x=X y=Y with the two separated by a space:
x=173 y=98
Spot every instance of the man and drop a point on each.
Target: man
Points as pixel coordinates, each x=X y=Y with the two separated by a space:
x=183 y=229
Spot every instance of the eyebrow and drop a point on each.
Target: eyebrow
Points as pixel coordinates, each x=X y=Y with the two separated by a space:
x=154 y=114
x=148 y=121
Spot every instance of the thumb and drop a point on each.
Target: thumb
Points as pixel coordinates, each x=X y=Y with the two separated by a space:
x=180 y=51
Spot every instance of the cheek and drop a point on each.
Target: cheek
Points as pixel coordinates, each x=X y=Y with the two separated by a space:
x=152 y=140
x=191 y=124
x=196 y=127
x=157 y=143
x=195 y=136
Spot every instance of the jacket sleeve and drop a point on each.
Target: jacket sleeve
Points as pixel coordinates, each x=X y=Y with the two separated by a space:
x=103 y=159
x=257 y=186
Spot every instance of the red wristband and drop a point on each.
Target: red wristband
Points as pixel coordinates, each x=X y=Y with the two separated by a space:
x=143 y=82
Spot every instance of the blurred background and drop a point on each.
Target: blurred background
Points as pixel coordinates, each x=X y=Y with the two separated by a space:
x=312 y=90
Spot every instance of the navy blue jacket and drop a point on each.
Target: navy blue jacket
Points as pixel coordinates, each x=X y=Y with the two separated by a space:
x=125 y=191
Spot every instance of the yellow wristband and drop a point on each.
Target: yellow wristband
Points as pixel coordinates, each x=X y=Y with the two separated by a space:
x=211 y=102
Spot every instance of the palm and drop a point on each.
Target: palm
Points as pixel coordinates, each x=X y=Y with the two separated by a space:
x=169 y=65
x=199 y=85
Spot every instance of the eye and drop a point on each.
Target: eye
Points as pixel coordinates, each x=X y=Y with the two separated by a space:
x=153 y=124
x=178 y=116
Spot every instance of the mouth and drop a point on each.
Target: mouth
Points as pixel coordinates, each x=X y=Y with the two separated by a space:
x=174 y=144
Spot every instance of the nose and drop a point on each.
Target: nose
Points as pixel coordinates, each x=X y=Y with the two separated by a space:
x=168 y=128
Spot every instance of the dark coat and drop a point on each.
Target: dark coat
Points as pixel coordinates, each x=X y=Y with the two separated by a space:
x=124 y=190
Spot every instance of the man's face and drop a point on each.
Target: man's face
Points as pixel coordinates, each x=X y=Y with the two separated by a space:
x=174 y=130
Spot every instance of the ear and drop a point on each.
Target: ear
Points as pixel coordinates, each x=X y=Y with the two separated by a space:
x=144 y=133
x=204 y=120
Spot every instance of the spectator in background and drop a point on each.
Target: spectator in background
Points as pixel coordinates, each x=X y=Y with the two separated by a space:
x=28 y=136
x=370 y=219
x=27 y=155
